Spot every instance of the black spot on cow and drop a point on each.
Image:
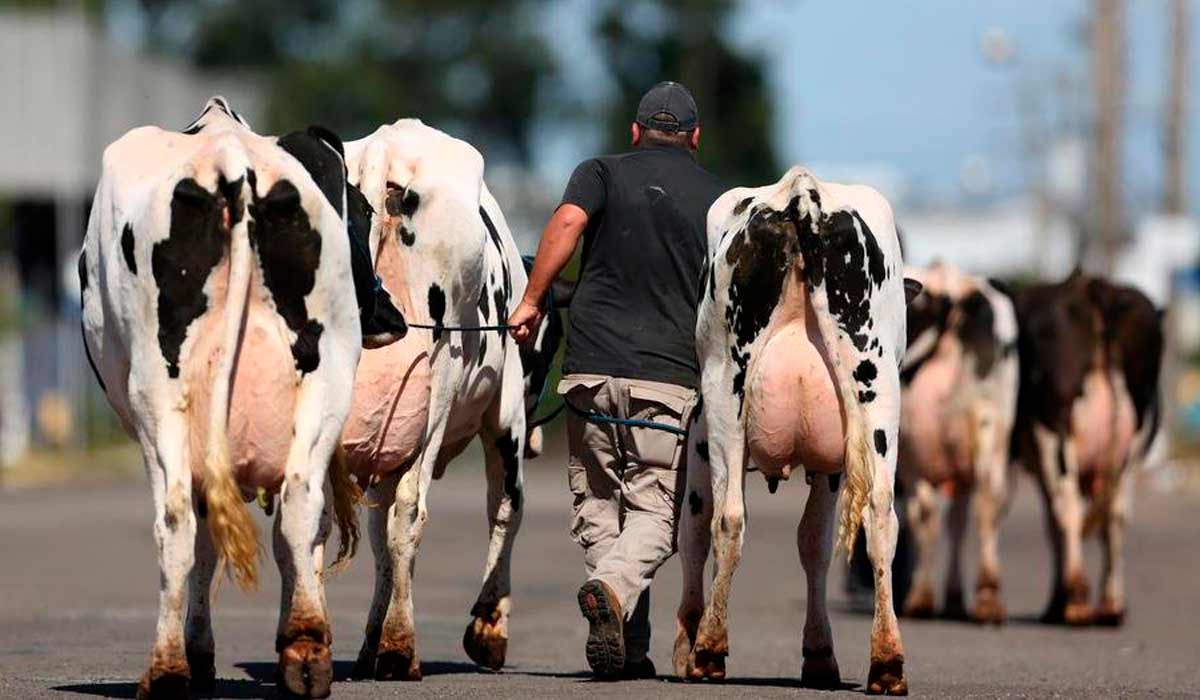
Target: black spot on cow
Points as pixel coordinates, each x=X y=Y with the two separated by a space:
x=407 y=237
x=193 y=129
x=509 y=448
x=359 y=214
x=702 y=450
x=408 y=205
x=485 y=307
x=865 y=373
x=127 y=248
x=848 y=268
x=866 y=396
x=881 y=443
x=182 y=262
x=500 y=299
x=741 y=206
x=976 y=331
x=437 y=309
x=759 y=258
x=306 y=349
x=695 y=504
x=289 y=250
x=815 y=197
x=319 y=151
x=482 y=353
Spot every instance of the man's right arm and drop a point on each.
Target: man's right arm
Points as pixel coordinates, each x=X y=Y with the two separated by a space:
x=585 y=196
x=558 y=244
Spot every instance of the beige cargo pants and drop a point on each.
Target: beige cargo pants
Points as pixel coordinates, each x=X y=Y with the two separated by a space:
x=627 y=483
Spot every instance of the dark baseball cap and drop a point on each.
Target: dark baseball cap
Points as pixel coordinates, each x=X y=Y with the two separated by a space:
x=668 y=107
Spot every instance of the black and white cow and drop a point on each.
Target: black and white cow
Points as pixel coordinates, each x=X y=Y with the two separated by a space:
x=802 y=311
x=441 y=244
x=219 y=315
x=1088 y=413
x=960 y=377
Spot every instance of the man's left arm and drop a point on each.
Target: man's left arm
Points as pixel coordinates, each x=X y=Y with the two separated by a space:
x=559 y=240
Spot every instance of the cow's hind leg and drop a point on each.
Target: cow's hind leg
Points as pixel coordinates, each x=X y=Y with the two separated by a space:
x=695 y=539
x=381 y=497
x=396 y=658
x=923 y=512
x=814 y=539
x=991 y=493
x=301 y=527
x=486 y=637
x=727 y=445
x=1111 y=610
x=1060 y=478
x=199 y=634
x=882 y=527
x=954 y=608
x=174 y=535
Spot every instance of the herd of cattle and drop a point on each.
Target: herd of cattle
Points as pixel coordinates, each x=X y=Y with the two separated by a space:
x=222 y=317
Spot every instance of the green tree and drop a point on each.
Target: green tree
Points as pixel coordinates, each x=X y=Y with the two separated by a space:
x=649 y=41
x=474 y=68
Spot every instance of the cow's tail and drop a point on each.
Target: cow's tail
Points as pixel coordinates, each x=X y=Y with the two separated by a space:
x=346 y=497
x=233 y=532
x=860 y=473
x=859 y=466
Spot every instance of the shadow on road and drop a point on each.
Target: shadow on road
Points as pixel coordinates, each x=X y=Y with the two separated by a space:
x=227 y=688
x=264 y=671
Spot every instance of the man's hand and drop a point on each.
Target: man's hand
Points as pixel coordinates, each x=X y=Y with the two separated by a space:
x=525 y=321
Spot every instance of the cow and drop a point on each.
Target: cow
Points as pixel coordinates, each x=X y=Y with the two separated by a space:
x=219 y=316
x=802 y=310
x=441 y=245
x=959 y=400
x=1087 y=414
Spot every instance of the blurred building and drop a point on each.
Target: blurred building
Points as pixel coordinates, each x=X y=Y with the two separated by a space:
x=69 y=91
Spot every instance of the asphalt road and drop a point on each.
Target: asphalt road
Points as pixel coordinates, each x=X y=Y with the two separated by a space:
x=78 y=595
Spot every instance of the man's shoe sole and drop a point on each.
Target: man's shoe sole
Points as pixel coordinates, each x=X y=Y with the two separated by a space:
x=605 y=649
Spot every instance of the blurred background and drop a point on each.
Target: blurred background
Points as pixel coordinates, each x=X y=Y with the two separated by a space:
x=1017 y=139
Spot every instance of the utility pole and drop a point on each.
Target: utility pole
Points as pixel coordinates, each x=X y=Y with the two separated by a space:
x=1108 y=82
x=1174 y=133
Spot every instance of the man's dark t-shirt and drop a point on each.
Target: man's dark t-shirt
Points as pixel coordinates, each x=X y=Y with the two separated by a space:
x=634 y=312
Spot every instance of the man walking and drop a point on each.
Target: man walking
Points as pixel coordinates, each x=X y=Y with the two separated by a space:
x=630 y=356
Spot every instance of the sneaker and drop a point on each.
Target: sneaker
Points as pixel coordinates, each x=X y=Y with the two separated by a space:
x=605 y=649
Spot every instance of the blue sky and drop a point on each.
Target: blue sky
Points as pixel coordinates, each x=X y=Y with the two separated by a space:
x=906 y=85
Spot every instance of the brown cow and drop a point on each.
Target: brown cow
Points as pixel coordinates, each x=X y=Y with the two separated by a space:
x=1088 y=410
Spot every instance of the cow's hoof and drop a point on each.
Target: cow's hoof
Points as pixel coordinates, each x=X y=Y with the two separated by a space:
x=486 y=643
x=397 y=666
x=306 y=669
x=1078 y=614
x=204 y=671
x=820 y=670
x=920 y=602
x=887 y=677
x=955 y=608
x=708 y=664
x=681 y=655
x=988 y=608
x=159 y=684
x=1109 y=614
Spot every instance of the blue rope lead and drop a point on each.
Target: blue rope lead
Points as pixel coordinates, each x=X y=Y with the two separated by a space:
x=596 y=417
x=436 y=327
